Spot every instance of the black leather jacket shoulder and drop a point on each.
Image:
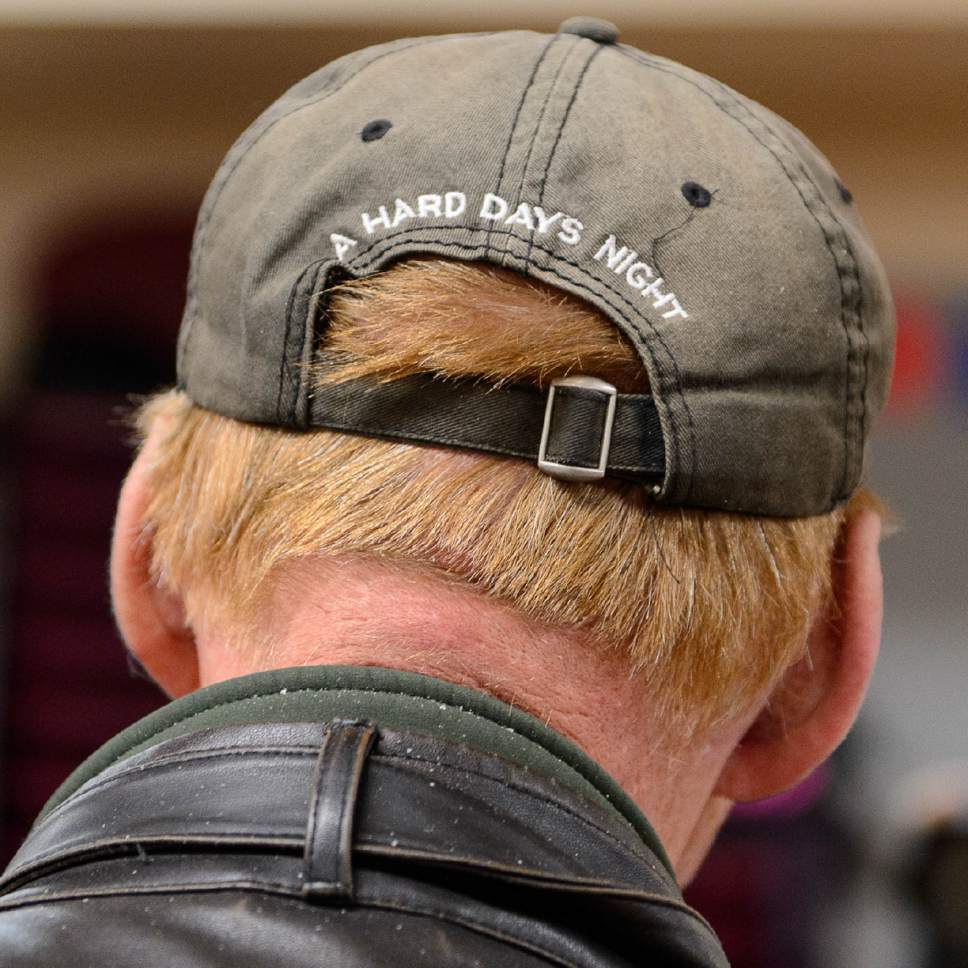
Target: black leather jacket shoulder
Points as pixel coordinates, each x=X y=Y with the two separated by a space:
x=343 y=842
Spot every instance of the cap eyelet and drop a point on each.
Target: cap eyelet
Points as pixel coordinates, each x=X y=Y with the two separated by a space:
x=845 y=193
x=696 y=195
x=376 y=129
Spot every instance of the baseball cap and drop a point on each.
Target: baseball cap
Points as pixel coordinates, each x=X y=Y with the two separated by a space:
x=707 y=229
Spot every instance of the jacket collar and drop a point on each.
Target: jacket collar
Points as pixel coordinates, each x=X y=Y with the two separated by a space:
x=396 y=700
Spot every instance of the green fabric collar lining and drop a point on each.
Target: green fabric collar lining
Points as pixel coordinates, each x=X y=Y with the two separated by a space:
x=394 y=699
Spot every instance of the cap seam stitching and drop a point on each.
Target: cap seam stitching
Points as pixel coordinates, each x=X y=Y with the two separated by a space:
x=517 y=114
x=561 y=127
x=672 y=380
x=242 y=147
x=309 y=315
x=853 y=273
x=362 y=263
x=284 y=356
x=643 y=336
x=537 y=127
x=299 y=415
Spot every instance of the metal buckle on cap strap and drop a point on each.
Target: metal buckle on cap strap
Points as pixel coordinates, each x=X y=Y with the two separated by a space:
x=568 y=472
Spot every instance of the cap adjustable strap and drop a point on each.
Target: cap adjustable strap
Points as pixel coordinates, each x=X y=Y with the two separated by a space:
x=582 y=429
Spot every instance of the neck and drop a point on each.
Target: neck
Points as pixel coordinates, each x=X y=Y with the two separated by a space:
x=356 y=612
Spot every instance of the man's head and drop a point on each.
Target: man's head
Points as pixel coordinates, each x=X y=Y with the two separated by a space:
x=703 y=619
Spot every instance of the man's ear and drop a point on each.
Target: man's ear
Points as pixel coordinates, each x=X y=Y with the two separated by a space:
x=151 y=619
x=814 y=705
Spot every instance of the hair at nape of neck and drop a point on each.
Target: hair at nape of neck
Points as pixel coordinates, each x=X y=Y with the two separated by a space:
x=713 y=607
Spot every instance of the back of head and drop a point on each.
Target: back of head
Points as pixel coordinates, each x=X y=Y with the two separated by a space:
x=710 y=606
x=500 y=212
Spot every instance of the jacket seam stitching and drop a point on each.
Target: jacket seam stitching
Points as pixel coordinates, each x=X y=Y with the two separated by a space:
x=524 y=790
x=288 y=892
x=224 y=754
x=95 y=785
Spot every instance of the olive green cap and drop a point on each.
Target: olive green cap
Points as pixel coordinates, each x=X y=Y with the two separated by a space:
x=709 y=230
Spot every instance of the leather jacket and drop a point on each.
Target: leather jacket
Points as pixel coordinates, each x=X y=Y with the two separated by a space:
x=345 y=817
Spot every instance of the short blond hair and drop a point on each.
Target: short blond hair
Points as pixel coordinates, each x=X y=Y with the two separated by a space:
x=712 y=607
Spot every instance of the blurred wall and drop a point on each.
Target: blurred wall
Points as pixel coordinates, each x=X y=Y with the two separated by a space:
x=95 y=117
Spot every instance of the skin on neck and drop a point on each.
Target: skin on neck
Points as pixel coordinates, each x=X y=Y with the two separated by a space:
x=369 y=613
x=413 y=618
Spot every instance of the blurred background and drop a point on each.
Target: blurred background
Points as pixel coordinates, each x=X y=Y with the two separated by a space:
x=113 y=117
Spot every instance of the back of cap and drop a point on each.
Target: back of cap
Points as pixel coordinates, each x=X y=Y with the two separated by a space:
x=707 y=229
